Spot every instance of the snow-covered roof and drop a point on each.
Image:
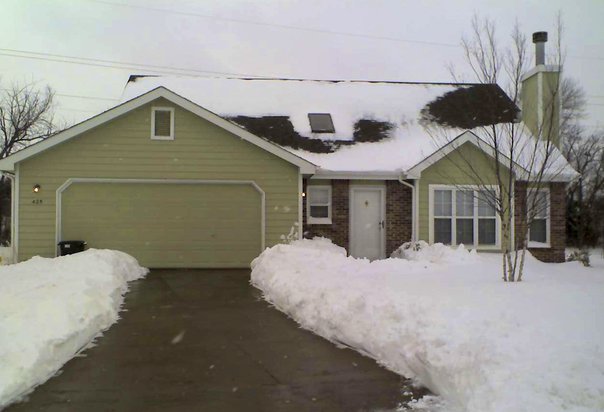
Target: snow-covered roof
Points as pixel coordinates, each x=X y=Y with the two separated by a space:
x=379 y=126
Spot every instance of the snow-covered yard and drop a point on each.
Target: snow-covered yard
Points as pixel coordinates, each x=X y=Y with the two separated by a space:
x=445 y=318
x=50 y=309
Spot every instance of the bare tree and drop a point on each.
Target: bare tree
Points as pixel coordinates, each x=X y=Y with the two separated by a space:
x=572 y=108
x=525 y=158
x=26 y=116
x=586 y=154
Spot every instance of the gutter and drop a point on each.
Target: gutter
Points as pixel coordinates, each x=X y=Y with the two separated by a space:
x=413 y=207
x=13 y=220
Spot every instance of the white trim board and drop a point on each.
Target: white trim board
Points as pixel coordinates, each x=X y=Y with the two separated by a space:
x=323 y=174
x=8 y=163
x=300 y=207
x=71 y=181
x=16 y=214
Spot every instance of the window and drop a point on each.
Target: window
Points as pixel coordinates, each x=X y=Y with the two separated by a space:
x=463 y=216
x=162 y=123
x=538 y=216
x=318 y=205
x=443 y=213
x=321 y=123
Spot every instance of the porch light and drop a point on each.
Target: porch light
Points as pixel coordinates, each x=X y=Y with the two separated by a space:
x=36 y=188
x=303 y=194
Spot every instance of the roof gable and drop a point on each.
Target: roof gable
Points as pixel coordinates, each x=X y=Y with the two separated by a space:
x=556 y=169
x=8 y=163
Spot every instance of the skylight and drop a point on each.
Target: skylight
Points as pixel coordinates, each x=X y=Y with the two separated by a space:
x=321 y=123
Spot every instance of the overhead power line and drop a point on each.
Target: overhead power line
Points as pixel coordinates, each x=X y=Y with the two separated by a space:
x=86 y=61
x=78 y=110
x=182 y=71
x=276 y=25
x=300 y=28
x=86 y=97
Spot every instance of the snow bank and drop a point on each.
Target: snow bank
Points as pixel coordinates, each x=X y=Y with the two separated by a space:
x=452 y=324
x=422 y=251
x=50 y=309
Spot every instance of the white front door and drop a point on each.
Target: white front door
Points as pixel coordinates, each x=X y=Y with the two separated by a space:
x=367 y=226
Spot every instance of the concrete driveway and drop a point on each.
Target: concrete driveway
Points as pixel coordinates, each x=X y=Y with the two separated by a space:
x=203 y=340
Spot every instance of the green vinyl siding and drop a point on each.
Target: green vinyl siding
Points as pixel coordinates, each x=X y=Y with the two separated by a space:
x=454 y=169
x=123 y=149
x=544 y=104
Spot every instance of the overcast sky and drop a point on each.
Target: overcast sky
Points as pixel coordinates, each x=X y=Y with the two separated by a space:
x=385 y=40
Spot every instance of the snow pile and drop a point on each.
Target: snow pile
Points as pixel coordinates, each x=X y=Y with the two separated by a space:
x=422 y=251
x=453 y=324
x=50 y=309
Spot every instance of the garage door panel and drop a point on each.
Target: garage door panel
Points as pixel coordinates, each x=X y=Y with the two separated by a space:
x=167 y=225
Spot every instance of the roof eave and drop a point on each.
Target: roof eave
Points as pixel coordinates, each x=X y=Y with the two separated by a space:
x=356 y=174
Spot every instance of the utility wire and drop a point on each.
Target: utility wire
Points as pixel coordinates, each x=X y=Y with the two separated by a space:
x=111 y=63
x=121 y=65
x=300 y=28
x=280 y=26
x=86 y=97
x=78 y=110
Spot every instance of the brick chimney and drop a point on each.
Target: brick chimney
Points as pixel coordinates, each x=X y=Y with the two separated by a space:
x=540 y=95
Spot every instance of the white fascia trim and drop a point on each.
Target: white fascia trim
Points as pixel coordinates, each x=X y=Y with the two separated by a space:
x=73 y=180
x=8 y=163
x=16 y=214
x=414 y=188
x=300 y=207
x=13 y=198
x=323 y=174
x=466 y=137
x=542 y=68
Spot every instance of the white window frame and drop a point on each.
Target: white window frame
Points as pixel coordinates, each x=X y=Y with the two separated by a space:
x=163 y=109
x=476 y=218
x=318 y=220
x=548 y=218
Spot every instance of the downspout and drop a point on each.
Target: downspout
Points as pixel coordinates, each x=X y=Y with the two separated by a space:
x=413 y=207
x=11 y=177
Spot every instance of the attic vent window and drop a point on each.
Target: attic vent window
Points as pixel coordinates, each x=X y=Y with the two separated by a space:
x=321 y=123
x=162 y=123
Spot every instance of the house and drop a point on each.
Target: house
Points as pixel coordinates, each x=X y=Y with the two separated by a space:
x=207 y=172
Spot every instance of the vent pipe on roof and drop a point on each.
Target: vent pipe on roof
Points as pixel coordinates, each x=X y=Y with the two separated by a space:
x=540 y=38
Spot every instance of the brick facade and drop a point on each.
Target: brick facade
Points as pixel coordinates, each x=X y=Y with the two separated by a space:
x=557 y=191
x=398 y=215
x=399 y=219
x=338 y=231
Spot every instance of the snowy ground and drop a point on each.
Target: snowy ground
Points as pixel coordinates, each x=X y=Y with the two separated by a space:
x=445 y=318
x=50 y=309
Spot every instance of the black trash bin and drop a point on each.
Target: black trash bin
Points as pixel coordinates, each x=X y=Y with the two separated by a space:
x=69 y=247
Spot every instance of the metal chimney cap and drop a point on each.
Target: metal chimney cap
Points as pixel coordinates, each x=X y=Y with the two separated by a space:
x=540 y=37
